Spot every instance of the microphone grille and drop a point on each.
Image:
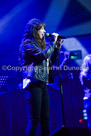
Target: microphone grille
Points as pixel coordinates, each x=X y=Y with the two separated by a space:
x=47 y=34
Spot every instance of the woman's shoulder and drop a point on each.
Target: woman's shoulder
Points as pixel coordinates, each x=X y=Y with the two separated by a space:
x=29 y=45
x=27 y=42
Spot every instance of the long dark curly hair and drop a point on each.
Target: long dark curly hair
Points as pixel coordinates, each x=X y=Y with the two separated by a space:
x=31 y=33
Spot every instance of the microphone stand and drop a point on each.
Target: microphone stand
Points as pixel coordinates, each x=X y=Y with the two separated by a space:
x=61 y=91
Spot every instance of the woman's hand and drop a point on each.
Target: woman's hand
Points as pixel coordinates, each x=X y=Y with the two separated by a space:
x=58 y=40
x=59 y=43
x=55 y=35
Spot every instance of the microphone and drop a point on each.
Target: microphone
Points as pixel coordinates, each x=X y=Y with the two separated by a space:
x=59 y=36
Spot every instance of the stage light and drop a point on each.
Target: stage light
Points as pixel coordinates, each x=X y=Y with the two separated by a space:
x=80 y=120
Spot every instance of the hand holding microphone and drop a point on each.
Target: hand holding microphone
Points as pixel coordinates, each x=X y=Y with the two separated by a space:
x=57 y=38
x=55 y=34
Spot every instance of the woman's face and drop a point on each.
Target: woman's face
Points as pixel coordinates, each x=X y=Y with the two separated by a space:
x=41 y=32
